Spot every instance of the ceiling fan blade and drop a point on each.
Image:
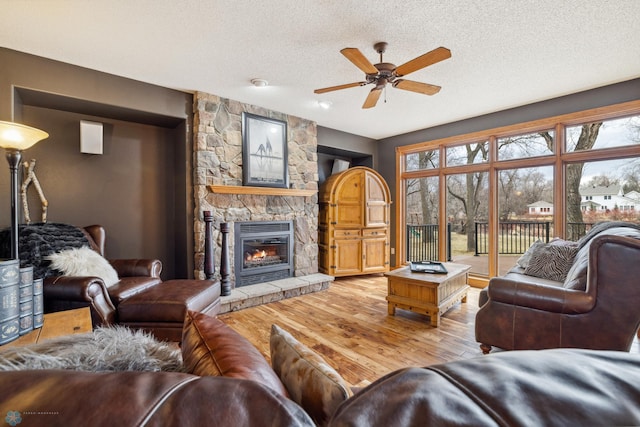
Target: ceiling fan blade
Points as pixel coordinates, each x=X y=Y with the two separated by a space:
x=429 y=58
x=359 y=60
x=332 y=88
x=424 y=88
x=372 y=98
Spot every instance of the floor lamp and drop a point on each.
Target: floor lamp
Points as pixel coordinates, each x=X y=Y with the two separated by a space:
x=15 y=138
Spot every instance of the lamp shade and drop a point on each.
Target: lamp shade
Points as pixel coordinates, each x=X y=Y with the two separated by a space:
x=19 y=137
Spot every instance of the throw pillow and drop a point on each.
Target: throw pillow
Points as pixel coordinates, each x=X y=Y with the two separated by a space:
x=523 y=261
x=552 y=262
x=211 y=348
x=310 y=381
x=83 y=262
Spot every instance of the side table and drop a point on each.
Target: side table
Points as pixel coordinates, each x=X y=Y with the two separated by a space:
x=77 y=321
x=426 y=293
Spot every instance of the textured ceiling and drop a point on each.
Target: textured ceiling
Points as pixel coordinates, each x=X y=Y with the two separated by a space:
x=505 y=53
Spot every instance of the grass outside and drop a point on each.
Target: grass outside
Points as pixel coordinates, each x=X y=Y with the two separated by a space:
x=459 y=244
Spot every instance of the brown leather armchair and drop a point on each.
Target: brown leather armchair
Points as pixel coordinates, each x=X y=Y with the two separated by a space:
x=522 y=315
x=66 y=292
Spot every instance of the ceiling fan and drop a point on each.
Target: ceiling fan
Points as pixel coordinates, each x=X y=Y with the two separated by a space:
x=384 y=72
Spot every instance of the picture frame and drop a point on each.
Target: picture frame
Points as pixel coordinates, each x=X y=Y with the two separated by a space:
x=264 y=152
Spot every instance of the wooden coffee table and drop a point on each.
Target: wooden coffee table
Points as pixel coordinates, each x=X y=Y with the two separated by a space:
x=425 y=293
x=77 y=321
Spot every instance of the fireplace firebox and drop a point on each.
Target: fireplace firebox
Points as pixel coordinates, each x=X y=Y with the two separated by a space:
x=263 y=251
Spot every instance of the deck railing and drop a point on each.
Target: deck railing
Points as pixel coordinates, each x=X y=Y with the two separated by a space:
x=514 y=237
x=422 y=242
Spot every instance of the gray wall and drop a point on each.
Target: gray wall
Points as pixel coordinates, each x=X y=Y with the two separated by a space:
x=139 y=188
x=600 y=97
x=349 y=142
x=334 y=144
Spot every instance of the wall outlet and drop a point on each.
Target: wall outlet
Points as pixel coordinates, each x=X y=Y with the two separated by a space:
x=393 y=251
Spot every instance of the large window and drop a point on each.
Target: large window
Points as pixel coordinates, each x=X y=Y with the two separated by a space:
x=603 y=134
x=467 y=210
x=528 y=145
x=600 y=191
x=423 y=160
x=486 y=197
x=467 y=154
x=422 y=219
x=525 y=212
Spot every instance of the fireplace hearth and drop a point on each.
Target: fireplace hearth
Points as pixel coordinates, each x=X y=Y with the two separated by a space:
x=263 y=251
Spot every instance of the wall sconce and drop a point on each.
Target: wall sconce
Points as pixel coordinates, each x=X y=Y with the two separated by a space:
x=15 y=138
x=90 y=137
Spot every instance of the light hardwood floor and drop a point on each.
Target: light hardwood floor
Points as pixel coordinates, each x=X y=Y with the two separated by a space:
x=349 y=327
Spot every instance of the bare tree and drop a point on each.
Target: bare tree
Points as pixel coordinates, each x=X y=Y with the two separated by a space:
x=426 y=159
x=471 y=198
x=586 y=141
x=420 y=195
x=519 y=188
x=634 y=129
x=508 y=182
x=602 y=181
x=631 y=179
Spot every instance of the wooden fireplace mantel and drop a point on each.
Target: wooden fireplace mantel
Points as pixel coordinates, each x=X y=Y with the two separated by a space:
x=263 y=191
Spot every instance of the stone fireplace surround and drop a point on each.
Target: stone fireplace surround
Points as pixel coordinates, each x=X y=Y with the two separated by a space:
x=218 y=162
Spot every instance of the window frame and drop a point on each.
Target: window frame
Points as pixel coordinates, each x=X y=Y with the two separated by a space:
x=558 y=159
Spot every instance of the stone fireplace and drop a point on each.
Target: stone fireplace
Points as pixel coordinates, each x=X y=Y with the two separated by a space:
x=218 y=185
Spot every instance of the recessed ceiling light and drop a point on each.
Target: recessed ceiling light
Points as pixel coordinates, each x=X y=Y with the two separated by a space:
x=325 y=104
x=259 y=82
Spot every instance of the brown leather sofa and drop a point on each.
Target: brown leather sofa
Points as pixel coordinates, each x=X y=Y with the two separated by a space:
x=560 y=387
x=522 y=388
x=140 y=300
x=596 y=307
x=61 y=398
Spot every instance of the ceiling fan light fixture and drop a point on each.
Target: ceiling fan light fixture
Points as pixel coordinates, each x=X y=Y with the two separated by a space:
x=384 y=73
x=259 y=82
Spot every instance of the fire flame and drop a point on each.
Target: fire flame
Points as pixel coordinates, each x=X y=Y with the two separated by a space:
x=256 y=255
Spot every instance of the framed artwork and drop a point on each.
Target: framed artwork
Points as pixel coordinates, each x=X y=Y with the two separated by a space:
x=264 y=152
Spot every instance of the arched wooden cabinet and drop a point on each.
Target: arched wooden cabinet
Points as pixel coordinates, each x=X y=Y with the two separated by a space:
x=353 y=229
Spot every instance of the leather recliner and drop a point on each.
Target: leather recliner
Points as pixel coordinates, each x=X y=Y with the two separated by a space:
x=67 y=292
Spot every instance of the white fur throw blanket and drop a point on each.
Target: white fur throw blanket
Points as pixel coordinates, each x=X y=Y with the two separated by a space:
x=105 y=349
